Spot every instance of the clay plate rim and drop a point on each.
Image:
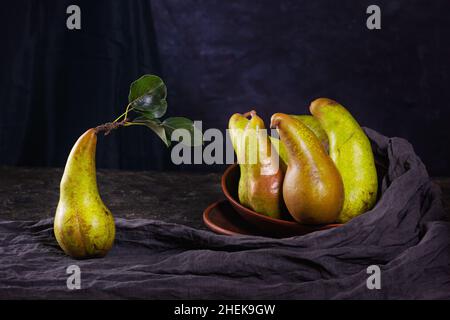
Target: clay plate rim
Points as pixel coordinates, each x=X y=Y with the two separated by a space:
x=263 y=217
x=211 y=225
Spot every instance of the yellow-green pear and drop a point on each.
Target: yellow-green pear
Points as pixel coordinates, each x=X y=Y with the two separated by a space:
x=351 y=152
x=261 y=175
x=84 y=226
x=236 y=127
x=313 y=124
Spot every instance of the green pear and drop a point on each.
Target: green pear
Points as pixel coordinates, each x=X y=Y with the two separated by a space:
x=313 y=124
x=236 y=127
x=261 y=176
x=312 y=188
x=351 y=152
x=83 y=226
x=281 y=150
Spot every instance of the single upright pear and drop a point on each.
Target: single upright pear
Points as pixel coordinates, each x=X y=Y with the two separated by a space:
x=312 y=189
x=351 y=152
x=83 y=226
x=261 y=176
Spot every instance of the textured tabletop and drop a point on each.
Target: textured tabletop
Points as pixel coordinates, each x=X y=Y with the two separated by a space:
x=32 y=194
x=180 y=197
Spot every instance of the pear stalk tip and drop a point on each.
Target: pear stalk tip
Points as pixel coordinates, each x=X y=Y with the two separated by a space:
x=250 y=113
x=109 y=126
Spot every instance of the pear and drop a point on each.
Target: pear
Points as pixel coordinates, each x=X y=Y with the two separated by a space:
x=236 y=126
x=261 y=178
x=312 y=188
x=281 y=150
x=313 y=124
x=83 y=226
x=352 y=153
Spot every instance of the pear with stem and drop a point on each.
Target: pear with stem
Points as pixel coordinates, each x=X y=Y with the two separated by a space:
x=84 y=226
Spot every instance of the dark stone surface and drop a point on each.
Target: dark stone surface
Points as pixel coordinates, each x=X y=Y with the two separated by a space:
x=32 y=193
x=180 y=197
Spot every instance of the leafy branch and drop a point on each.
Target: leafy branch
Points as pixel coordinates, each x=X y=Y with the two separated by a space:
x=147 y=105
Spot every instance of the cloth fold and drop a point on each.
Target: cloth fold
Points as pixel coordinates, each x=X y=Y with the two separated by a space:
x=407 y=235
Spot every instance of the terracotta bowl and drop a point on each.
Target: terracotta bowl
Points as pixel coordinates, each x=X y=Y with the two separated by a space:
x=266 y=225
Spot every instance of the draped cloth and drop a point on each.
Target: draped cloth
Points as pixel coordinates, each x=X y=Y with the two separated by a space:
x=406 y=235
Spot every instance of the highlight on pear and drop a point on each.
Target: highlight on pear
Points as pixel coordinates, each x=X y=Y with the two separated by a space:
x=84 y=226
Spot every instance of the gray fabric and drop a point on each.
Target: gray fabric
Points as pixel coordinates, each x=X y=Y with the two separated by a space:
x=406 y=235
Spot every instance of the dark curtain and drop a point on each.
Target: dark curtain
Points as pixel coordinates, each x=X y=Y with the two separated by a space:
x=218 y=57
x=59 y=82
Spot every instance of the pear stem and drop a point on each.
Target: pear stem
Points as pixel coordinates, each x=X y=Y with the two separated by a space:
x=249 y=114
x=128 y=109
x=109 y=126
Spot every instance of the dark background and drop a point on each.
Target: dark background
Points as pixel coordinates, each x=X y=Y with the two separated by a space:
x=218 y=57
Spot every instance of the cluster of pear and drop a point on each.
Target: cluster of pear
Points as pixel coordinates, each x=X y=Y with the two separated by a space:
x=322 y=170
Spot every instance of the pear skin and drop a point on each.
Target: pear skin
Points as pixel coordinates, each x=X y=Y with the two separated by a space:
x=261 y=178
x=312 y=189
x=84 y=226
x=236 y=126
x=351 y=151
x=281 y=150
x=313 y=124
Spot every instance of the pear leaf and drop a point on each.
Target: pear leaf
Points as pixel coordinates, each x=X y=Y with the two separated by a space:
x=156 y=126
x=174 y=123
x=148 y=96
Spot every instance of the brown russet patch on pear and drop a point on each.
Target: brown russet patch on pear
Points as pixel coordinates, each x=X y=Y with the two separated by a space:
x=84 y=227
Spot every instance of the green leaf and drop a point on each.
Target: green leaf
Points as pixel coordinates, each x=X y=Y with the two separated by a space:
x=156 y=126
x=174 y=123
x=148 y=96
